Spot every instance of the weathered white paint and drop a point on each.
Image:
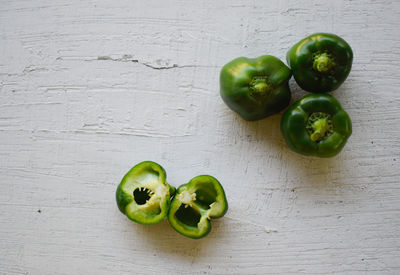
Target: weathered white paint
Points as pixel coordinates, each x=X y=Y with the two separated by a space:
x=90 y=88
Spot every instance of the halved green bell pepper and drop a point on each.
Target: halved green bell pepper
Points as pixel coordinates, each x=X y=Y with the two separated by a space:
x=143 y=194
x=255 y=88
x=316 y=125
x=194 y=204
x=320 y=62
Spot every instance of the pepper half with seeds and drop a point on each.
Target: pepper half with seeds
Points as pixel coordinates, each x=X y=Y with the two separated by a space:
x=316 y=125
x=194 y=204
x=143 y=194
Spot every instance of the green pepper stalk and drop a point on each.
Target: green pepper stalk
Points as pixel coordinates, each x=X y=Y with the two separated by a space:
x=316 y=125
x=194 y=204
x=255 y=88
x=143 y=194
x=320 y=62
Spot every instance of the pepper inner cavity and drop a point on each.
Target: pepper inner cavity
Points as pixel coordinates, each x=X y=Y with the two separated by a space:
x=188 y=215
x=319 y=126
x=205 y=197
x=142 y=195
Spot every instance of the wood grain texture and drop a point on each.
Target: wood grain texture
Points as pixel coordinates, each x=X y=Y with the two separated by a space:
x=90 y=88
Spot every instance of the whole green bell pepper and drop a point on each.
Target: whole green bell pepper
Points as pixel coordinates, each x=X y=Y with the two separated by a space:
x=194 y=204
x=320 y=62
x=143 y=194
x=316 y=125
x=255 y=88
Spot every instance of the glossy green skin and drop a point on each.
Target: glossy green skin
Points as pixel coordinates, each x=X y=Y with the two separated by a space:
x=209 y=203
x=236 y=77
x=300 y=60
x=140 y=175
x=294 y=121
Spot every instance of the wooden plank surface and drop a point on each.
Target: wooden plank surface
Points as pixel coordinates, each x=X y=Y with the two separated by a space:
x=90 y=88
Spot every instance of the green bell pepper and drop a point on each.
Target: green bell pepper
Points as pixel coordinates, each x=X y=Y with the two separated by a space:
x=320 y=62
x=143 y=194
x=194 y=204
x=316 y=125
x=255 y=88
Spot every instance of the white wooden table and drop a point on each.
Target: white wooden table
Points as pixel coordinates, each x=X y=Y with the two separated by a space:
x=90 y=88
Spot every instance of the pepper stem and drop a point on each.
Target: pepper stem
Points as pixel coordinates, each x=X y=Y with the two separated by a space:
x=259 y=86
x=323 y=62
x=319 y=126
